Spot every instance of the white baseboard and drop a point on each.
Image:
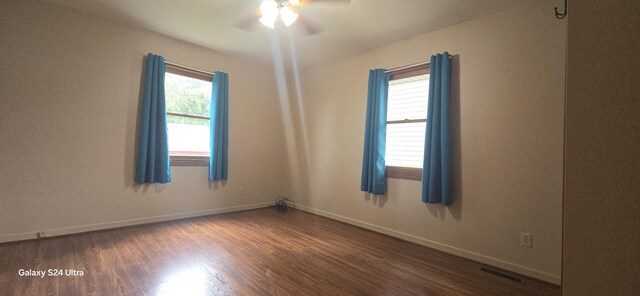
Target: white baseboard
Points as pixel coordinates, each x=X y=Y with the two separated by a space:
x=131 y=222
x=537 y=274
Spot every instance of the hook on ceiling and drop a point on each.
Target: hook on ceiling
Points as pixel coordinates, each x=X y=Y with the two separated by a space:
x=561 y=15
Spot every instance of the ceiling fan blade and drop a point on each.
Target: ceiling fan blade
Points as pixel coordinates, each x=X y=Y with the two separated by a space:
x=308 y=27
x=250 y=23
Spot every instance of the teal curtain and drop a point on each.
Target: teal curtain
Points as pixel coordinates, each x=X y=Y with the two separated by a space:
x=373 y=166
x=219 y=143
x=153 y=164
x=436 y=172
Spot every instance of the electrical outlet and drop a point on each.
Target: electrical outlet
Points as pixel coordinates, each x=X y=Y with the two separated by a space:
x=525 y=239
x=330 y=197
x=242 y=191
x=42 y=234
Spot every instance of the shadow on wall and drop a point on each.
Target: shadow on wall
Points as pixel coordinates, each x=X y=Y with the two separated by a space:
x=379 y=200
x=217 y=184
x=157 y=187
x=455 y=209
x=133 y=122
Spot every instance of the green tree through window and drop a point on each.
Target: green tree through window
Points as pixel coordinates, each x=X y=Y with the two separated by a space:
x=187 y=96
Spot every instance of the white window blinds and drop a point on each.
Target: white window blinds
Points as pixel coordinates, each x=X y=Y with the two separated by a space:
x=406 y=121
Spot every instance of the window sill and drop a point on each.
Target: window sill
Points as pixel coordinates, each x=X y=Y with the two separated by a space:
x=189 y=160
x=404 y=173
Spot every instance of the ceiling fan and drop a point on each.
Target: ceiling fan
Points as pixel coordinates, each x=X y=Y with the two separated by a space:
x=275 y=13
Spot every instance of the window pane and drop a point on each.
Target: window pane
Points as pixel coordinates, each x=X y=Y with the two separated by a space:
x=188 y=134
x=408 y=98
x=187 y=95
x=405 y=144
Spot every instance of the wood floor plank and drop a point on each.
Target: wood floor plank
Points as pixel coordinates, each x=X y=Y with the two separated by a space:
x=259 y=252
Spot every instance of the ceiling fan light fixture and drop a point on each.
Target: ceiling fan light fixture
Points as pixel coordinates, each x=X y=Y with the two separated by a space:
x=268 y=22
x=288 y=16
x=269 y=12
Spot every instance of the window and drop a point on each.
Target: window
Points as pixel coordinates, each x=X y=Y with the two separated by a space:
x=188 y=101
x=406 y=122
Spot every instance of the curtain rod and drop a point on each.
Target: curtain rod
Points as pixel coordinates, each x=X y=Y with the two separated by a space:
x=411 y=66
x=186 y=67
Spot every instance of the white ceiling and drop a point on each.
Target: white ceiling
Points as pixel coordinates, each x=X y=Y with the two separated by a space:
x=348 y=28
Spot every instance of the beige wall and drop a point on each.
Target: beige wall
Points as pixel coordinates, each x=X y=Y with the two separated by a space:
x=508 y=105
x=601 y=253
x=69 y=95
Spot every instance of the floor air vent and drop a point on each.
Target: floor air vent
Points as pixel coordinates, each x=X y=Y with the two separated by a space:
x=502 y=274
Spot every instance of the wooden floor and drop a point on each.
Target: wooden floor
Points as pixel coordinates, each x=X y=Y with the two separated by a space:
x=260 y=252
